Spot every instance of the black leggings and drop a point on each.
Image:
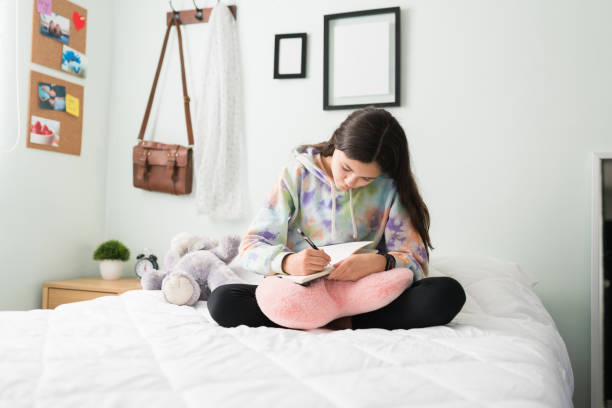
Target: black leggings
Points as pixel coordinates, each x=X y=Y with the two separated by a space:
x=428 y=302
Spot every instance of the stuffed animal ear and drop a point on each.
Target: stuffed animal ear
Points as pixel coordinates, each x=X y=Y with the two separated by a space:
x=182 y=242
x=179 y=245
x=228 y=248
x=203 y=244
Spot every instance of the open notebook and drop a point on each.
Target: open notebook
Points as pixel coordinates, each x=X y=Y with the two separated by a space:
x=337 y=253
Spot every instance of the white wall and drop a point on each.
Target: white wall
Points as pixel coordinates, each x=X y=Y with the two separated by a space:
x=502 y=104
x=52 y=204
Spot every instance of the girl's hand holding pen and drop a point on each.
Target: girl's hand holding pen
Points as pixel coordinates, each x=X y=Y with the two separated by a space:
x=305 y=262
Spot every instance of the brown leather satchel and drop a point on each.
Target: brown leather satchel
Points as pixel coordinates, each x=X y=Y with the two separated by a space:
x=159 y=166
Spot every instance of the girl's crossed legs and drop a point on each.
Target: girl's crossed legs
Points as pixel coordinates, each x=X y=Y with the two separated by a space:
x=428 y=302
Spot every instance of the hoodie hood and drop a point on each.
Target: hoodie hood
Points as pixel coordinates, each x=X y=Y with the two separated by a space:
x=310 y=158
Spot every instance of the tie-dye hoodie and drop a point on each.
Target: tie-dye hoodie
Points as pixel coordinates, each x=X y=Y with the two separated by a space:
x=305 y=197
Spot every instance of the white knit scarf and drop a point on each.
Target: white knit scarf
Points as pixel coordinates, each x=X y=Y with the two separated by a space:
x=220 y=152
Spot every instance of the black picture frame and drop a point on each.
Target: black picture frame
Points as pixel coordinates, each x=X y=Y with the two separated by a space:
x=277 y=39
x=396 y=64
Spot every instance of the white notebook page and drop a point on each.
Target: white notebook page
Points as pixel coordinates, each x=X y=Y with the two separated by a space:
x=338 y=252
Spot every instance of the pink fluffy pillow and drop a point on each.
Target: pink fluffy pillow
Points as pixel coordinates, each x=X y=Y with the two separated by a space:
x=307 y=307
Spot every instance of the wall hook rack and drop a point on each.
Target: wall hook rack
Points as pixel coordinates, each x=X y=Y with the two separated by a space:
x=197 y=15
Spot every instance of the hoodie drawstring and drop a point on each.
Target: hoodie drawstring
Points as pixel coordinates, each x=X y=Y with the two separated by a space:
x=333 y=211
x=352 y=215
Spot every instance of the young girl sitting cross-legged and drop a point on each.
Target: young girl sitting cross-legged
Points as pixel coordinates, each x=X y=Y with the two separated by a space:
x=357 y=186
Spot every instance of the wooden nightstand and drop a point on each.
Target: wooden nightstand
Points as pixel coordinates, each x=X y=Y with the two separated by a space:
x=75 y=290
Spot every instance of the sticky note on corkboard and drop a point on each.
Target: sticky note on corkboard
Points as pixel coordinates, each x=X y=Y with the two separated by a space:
x=50 y=32
x=50 y=126
x=72 y=105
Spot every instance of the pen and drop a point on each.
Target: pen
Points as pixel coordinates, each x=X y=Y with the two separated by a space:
x=312 y=244
x=307 y=239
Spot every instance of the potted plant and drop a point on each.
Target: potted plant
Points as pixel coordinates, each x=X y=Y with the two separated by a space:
x=111 y=255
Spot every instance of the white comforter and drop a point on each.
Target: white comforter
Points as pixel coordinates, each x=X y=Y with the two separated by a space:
x=136 y=350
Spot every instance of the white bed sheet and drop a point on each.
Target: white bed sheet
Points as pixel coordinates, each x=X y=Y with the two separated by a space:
x=502 y=350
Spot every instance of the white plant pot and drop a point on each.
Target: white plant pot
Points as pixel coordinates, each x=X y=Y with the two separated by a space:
x=110 y=269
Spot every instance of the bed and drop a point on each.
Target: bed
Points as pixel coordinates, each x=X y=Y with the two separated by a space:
x=502 y=350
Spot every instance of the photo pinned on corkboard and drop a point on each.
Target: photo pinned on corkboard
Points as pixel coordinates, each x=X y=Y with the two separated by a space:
x=55 y=114
x=51 y=96
x=73 y=61
x=56 y=27
x=44 y=131
x=59 y=36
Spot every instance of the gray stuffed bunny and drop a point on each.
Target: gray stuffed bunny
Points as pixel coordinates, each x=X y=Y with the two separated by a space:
x=194 y=266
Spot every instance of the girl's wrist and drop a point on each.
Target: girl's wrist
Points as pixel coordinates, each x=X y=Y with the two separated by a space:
x=284 y=265
x=377 y=262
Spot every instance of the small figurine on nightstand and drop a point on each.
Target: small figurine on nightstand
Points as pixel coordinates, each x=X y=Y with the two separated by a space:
x=145 y=263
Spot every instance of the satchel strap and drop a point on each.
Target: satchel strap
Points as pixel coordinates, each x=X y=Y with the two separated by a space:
x=174 y=22
x=185 y=95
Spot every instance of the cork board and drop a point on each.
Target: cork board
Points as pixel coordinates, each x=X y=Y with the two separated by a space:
x=63 y=133
x=47 y=49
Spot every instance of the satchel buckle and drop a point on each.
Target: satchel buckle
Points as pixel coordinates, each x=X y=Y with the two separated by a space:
x=143 y=157
x=142 y=165
x=172 y=157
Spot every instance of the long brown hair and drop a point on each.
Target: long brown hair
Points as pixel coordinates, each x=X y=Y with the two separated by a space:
x=372 y=134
